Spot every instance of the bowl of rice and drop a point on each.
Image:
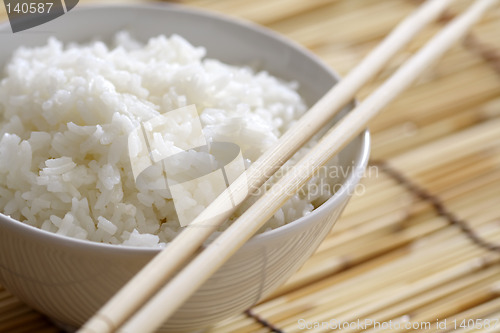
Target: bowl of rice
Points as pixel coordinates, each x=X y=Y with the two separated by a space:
x=75 y=225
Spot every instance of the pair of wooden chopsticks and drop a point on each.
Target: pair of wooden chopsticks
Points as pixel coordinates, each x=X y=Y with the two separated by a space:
x=146 y=302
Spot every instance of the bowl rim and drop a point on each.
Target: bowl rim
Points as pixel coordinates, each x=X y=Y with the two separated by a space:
x=346 y=189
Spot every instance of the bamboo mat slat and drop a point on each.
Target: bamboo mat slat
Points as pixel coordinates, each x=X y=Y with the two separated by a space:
x=394 y=255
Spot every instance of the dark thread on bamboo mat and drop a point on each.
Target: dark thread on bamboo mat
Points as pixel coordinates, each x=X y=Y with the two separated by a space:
x=438 y=205
x=487 y=52
x=445 y=17
x=263 y=321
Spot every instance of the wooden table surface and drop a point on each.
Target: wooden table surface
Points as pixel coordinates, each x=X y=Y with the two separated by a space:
x=418 y=246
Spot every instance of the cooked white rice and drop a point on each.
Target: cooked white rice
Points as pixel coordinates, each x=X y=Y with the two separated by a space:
x=66 y=113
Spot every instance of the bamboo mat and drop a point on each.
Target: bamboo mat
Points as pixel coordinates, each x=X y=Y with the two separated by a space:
x=418 y=246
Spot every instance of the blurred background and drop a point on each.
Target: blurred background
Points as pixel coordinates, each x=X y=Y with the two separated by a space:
x=418 y=243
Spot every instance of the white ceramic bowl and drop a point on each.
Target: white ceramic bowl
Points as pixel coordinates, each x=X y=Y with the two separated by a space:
x=69 y=279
